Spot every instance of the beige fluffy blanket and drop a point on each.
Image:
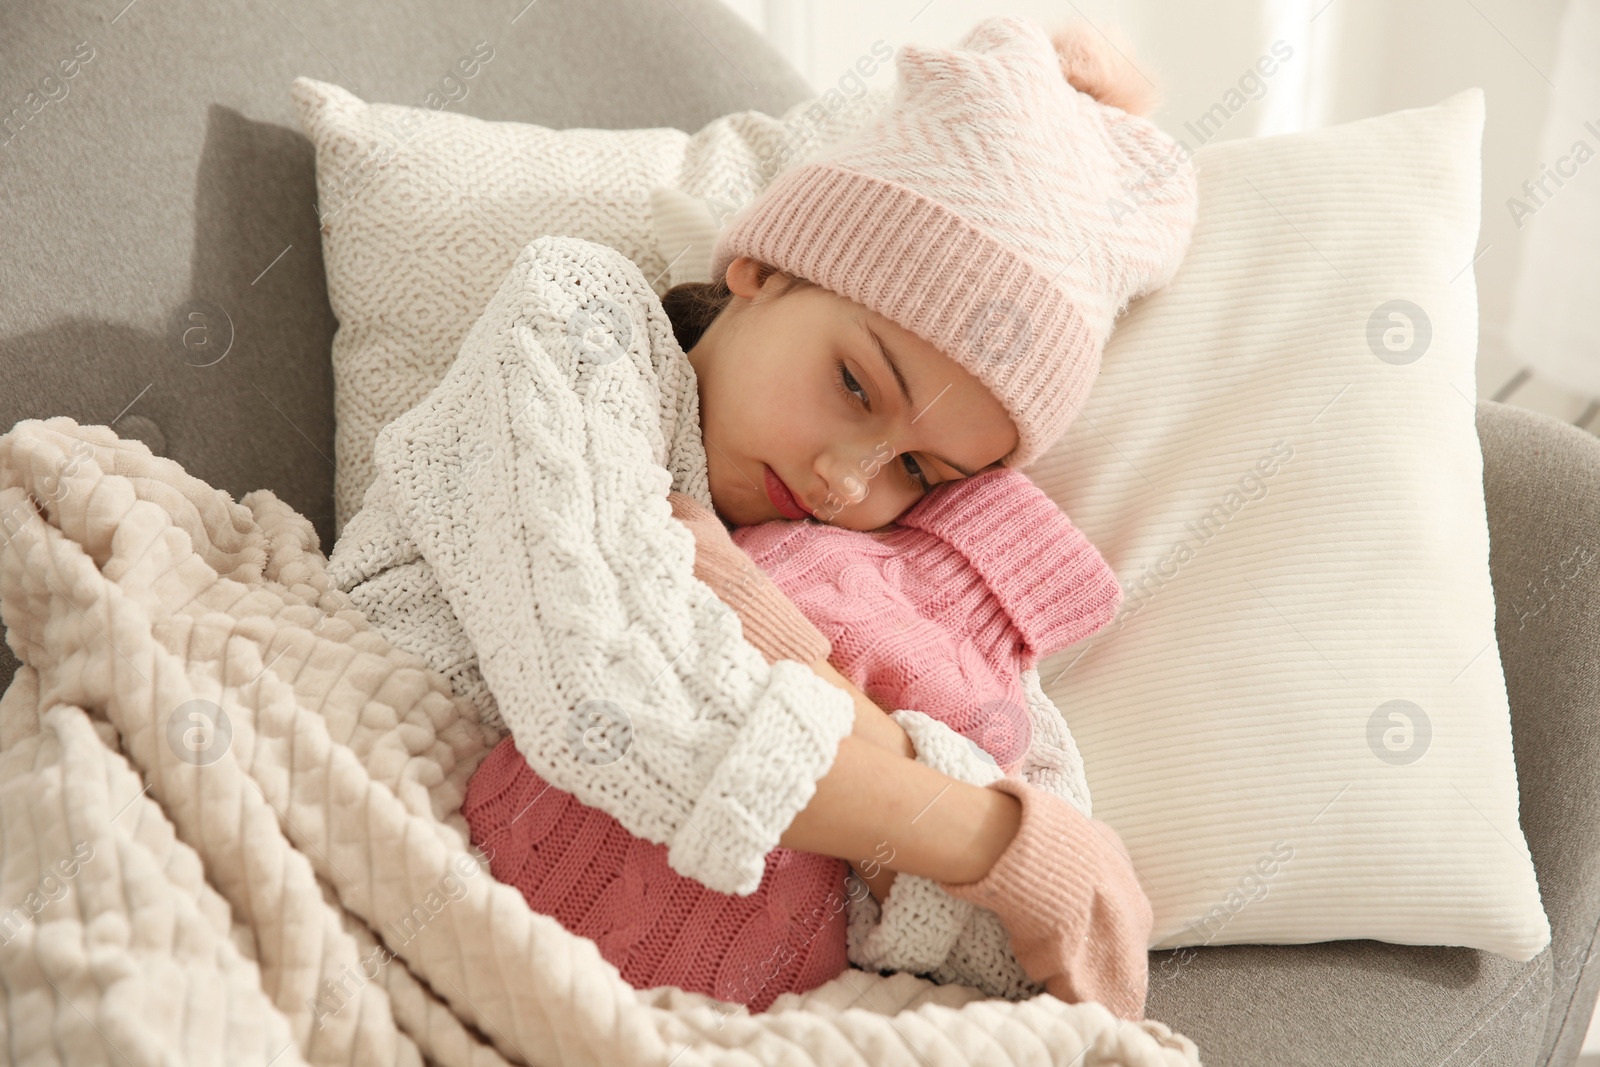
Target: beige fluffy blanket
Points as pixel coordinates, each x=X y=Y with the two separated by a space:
x=229 y=829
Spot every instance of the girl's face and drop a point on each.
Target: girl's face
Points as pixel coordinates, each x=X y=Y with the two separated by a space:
x=799 y=387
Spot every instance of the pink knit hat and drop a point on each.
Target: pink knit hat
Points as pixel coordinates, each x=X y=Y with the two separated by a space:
x=1005 y=206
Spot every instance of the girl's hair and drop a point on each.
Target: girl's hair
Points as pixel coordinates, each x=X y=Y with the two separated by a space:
x=694 y=306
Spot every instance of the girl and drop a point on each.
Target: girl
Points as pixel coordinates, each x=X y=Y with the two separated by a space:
x=957 y=268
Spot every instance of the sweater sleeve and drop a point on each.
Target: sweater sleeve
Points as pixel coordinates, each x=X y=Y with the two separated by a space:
x=1053 y=761
x=769 y=618
x=534 y=480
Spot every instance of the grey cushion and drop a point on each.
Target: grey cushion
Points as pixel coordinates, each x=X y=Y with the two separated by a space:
x=1378 y=1004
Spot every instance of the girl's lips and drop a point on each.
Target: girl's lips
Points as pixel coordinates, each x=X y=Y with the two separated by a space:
x=785 y=501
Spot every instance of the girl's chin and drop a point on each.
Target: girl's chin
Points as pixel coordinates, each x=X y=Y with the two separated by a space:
x=732 y=514
x=744 y=507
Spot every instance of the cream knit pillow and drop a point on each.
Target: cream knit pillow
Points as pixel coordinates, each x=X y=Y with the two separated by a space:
x=1298 y=722
x=424 y=211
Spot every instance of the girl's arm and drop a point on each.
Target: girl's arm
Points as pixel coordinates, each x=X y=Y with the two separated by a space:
x=872 y=722
x=874 y=725
x=872 y=808
x=874 y=805
x=770 y=620
x=1062 y=884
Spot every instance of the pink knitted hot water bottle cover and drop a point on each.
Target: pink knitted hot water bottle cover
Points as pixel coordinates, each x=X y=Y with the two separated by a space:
x=942 y=611
x=580 y=866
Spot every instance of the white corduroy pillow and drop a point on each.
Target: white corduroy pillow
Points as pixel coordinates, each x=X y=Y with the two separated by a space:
x=1298 y=721
x=424 y=211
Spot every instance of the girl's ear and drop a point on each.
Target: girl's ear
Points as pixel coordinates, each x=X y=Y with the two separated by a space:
x=744 y=277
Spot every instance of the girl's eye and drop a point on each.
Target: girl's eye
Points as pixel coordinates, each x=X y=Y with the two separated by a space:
x=847 y=384
x=915 y=471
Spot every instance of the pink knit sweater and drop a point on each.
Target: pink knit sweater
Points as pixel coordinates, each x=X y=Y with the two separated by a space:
x=941 y=613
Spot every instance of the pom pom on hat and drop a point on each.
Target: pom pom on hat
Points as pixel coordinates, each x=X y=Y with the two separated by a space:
x=1101 y=64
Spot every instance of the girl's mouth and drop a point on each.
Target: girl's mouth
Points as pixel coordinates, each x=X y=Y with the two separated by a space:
x=786 y=502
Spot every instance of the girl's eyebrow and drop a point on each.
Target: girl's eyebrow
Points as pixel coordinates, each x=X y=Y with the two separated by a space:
x=905 y=390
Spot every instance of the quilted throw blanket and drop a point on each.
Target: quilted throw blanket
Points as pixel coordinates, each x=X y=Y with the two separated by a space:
x=229 y=827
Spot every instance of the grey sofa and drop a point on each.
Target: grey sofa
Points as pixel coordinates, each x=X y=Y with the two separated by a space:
x=163 y=275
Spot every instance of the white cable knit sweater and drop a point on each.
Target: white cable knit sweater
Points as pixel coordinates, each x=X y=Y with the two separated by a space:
x=518 y=538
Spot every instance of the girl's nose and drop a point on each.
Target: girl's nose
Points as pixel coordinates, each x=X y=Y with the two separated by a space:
x=847 y=470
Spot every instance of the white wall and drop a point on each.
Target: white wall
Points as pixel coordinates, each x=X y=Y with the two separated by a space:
x=1352 y=59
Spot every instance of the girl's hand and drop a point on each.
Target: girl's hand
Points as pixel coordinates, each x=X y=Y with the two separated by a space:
x=872 y=722
x=1067 y=893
